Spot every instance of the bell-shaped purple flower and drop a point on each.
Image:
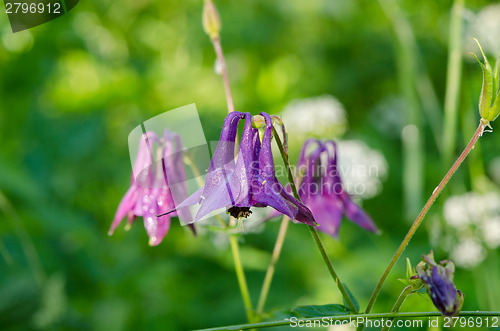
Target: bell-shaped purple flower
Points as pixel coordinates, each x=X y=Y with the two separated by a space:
x=158 y=179
x=248 y=181
x=321 y=189
x=438 y=281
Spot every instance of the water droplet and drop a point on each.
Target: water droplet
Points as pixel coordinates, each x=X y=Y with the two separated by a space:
x=218 y=67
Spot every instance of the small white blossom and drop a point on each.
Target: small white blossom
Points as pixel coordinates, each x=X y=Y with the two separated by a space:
x=468 y=253
x=491 y=232
x=317 y=116
x=475 y=220
x=362 y=169
x=471 y=208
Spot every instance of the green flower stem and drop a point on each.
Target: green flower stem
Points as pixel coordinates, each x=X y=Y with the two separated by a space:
x=407 y=291
x=313 y=231
x=424 y=211
x=331 y=319
x=240 y=274
x=453 y=76
x=272 y=265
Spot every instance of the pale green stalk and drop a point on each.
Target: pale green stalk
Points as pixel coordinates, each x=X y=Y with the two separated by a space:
x=412 y=137
x=407 y=291
x=453 y=77
x=334 y=318
x=266 y=284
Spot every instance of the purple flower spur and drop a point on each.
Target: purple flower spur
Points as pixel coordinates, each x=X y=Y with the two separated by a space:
x=249 y=180
x=321 y=189
x=158 y=179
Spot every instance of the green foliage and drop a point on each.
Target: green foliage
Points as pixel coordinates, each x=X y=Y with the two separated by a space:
x=72 y=89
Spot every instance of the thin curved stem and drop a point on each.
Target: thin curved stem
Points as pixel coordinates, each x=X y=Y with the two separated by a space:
x=424 y=211
x=272 y=265
x=240 y=275
x=222 y=62
x=355 y=318
x=313 y=231
x=407 y=291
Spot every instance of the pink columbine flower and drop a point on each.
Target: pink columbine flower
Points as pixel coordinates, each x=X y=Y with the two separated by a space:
x=158 y=179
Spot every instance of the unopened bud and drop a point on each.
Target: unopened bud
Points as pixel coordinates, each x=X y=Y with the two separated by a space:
x=210 y=20
x=489 y=101
x=259 y=122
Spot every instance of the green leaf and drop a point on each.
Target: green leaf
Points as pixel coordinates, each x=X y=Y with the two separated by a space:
x=353 y=298
x=319 y=311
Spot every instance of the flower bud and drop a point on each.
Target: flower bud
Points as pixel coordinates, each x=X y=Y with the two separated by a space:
x=210 y=20
x=259 y=122
x=412 y=278
x=489 y=101
x=438 y=281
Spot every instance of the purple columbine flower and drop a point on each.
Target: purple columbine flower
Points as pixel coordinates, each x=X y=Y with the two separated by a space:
x=321 y=189
x=158 y=179
x=438 y=281
x=248 y=181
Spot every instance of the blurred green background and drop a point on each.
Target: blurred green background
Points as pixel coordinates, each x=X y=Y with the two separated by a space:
x=72 y=89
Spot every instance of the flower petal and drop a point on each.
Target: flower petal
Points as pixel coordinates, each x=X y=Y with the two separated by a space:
x=126 y=205
x=327 y=212
x=268 y=190
x=358 y=215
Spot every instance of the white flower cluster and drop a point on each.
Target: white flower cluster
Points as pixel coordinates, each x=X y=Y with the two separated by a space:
x=485 y=26
x=362 y=169
x=322 y=116
x=475 y=219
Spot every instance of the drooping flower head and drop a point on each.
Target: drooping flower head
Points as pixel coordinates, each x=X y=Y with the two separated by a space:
x=158 y=181
x=438 y=281
x=249 y=180
x=321 y=189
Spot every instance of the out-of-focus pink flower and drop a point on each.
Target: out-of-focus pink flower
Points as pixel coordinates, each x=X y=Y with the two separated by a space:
x=150 y=194
x=321 y=189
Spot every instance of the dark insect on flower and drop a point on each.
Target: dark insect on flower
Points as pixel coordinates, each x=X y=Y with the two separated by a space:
x=155 y=185
x=438 y=281
x=248 y=181
x=322 y=191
